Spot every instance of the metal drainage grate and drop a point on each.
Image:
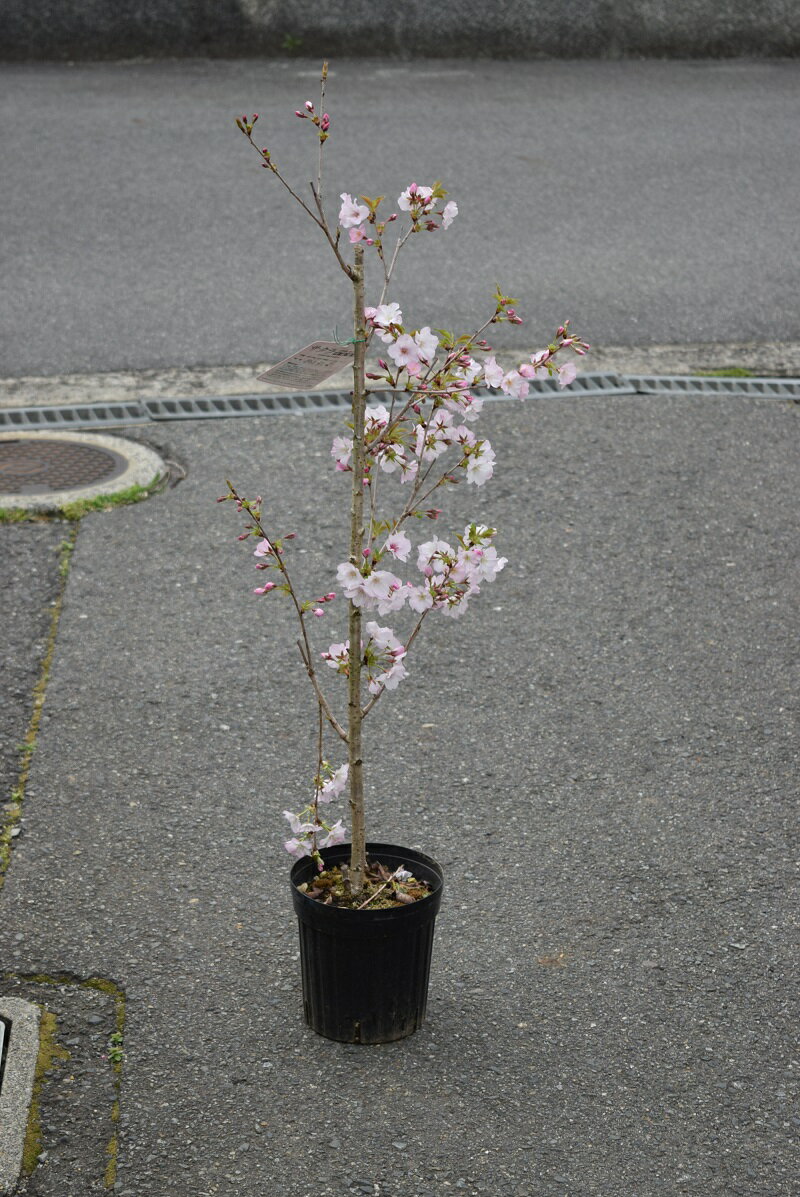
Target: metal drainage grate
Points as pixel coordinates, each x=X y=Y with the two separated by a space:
x=5 y=1036
x=34 y=466
x=765 y=388
x=82 y=415
x=206 y=407
x=223 y=406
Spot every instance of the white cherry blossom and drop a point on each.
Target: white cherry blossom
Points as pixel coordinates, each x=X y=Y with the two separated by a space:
x=351 y=212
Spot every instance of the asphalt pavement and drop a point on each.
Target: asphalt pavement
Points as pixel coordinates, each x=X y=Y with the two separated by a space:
x=602 y=755
x=651 y=202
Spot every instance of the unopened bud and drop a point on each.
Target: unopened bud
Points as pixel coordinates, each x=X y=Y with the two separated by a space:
x=309 y=106
x=318 y=611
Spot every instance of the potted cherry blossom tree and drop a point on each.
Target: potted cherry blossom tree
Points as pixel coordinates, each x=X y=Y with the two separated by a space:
x=366 y=910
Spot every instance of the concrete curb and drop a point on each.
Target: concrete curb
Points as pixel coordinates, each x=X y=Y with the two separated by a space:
x=528 y=29
x=17 y=1088
x=775 y=358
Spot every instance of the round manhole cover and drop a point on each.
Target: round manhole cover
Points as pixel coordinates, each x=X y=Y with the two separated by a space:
x=44 y=471
x=30 y=467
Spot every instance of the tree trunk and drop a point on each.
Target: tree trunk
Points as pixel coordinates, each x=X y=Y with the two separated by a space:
x=356 y=772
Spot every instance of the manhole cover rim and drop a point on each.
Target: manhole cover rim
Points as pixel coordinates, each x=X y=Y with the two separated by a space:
x=142 y=467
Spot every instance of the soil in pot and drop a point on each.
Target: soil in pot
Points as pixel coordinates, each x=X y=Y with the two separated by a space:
x=383 y=888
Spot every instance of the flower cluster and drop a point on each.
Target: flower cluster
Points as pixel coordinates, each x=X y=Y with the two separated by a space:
x=381 y=654
x=310 y=831
x=419 y=202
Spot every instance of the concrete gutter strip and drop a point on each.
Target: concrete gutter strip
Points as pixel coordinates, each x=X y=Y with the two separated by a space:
x=39 y=29
x=17 y=1088
x=780 y=358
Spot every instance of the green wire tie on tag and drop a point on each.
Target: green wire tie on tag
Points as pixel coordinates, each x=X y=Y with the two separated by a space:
x=352 y=341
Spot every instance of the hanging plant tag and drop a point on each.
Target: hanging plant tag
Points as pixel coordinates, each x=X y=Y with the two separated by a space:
x=309 y=366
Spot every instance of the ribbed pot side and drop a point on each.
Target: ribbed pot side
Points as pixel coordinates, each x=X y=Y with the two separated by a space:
x=365 y=972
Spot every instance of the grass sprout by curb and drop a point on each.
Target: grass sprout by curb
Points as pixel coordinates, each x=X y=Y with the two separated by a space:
x=82 y=507
x=51 y=1053
x=11 y=812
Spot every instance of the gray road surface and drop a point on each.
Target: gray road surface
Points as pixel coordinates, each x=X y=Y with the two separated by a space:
x=652 y=202
x=603 y=756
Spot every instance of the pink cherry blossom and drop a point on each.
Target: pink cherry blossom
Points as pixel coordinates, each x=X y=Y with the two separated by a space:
x=351 y=213
x=430 y=554
x=335 y=835
x=353 y=583
x=334 y=785
x=449 y=213
x=398 y=545
x=415 y=197
x=298 y=828
x=338 y=656
x=492 y=372
x=480 y=463
x=567 y=374
x=409 y=469
x=384 y=639
x=392 y=677
x=420 y=598
x=427 y=344
x=513 y=384
x=262 y=549
x=404 y=351
x=298 y=848
x=527 y=371
x=341 y=451
x=386 y=314
x=375 y=419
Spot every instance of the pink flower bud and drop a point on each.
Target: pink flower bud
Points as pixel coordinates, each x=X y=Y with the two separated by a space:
x=330 y=597
x=290 y=536
x=302 y=115
x=318 y=611
x=365 y=552
x=309 y=106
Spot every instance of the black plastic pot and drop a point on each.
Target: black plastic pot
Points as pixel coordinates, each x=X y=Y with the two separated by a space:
x=365 y=972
